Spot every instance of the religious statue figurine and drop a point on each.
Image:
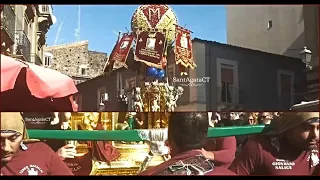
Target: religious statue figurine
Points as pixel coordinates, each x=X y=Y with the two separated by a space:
x=172 y=96
x=105 y=125
x=123 y=97
x=138 y=103
x=65 y=126
x=171 y=103
x=90 y=121
x=179 y=91
x=66 y=120
x=154 y=103
x=56 y=119
x=133 y=121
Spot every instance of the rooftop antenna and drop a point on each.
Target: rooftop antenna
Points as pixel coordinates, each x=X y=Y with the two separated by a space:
x=58 y=32
x=77 y=34
x=127 y=30
x=118 y=34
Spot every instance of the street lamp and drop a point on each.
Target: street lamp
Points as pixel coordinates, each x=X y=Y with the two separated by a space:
x=104 y=98
x=306 y=57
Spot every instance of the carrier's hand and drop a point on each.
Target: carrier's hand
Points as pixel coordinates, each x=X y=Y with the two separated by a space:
x=55 y=121
x=67 y=151
x=207 y=154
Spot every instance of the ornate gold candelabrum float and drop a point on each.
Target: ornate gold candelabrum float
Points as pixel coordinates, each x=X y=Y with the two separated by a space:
x=156 y=98
x=131 y=154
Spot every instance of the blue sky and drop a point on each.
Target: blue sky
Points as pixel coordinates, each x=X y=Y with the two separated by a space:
x=98 y=23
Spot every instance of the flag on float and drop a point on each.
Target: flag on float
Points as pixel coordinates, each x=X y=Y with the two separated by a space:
x=150 y=47
x=120 y=52
x=183 y=50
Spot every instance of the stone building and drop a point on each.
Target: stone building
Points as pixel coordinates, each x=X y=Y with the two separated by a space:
x=75 y=60
x=240 y=79
x=24 y=29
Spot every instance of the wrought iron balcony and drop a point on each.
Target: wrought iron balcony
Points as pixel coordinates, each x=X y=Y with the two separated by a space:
x=23 y=45
x=46 y=14
x=44 y=9
x=8 y=21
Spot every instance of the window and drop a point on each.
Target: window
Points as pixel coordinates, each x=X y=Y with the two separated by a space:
x=100 y=93
x=131 y=83
x=269 y=25
x=45 y=8
x=84 y=70
x=47 y=61
x=77 y=82
x=227 y=81
x=285 y=88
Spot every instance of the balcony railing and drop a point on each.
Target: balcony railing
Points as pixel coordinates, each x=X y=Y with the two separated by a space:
x=44 y=9
x=8 y=21
x=23 y=45
x=228 y=96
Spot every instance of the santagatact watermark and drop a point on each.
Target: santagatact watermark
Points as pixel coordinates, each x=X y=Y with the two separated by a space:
x=36 y=120
x=191 y=81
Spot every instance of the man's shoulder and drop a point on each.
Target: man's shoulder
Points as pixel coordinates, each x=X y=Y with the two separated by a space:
x=259 y=139
x=256 y=143
x=154 y=169
x=40 y=146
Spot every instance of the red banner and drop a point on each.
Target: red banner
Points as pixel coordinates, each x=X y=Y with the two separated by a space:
x=183 y=50
x=121 y=50
x=150 y=46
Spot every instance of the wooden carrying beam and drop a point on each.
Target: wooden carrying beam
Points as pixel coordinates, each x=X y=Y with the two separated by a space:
x=133 y=135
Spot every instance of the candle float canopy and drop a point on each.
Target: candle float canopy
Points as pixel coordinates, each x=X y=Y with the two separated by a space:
x=155 y=16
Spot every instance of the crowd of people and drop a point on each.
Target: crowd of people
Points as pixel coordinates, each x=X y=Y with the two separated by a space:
x=241 y=118
x=289 y=147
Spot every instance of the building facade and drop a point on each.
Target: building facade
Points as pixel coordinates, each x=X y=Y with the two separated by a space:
x=271 y=28
x=246 y=79
x=279 y=29
x=311 y=12
x=75 y=60
x=24 y=29
x=239 y=78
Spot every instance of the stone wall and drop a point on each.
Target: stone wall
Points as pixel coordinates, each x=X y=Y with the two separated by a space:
x=70 y=58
